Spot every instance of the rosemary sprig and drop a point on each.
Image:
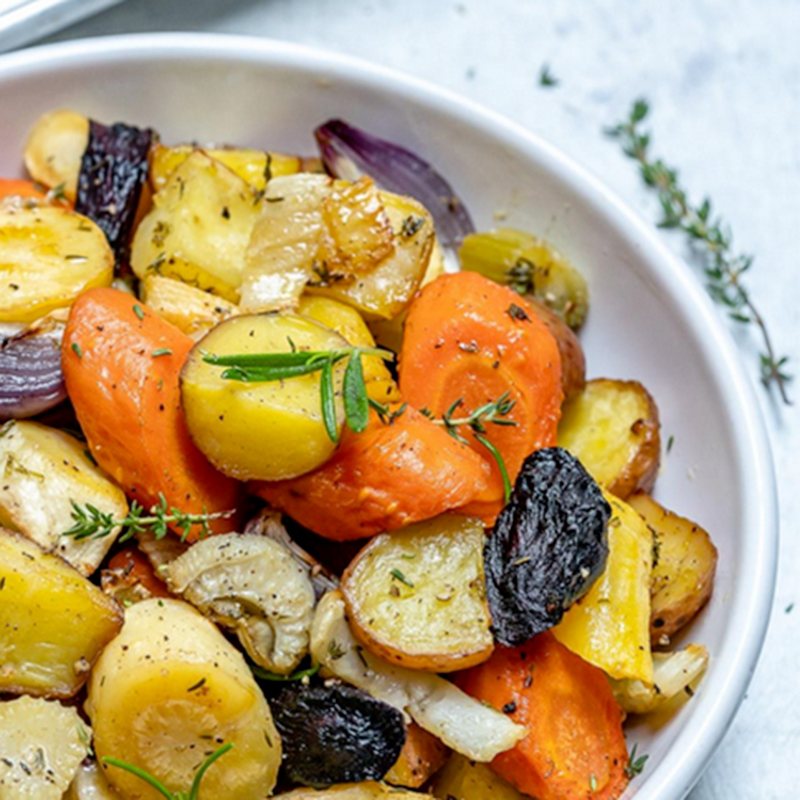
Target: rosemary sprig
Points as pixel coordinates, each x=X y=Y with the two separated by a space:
x=492 y=413
x=265 y=367
x=194 y=790
x=710 y=237
x=90 y=521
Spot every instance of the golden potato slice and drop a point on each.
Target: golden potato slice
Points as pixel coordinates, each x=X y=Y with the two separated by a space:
x=609 y=625
x=170 y=690
x=199 y=228
x=350 y=325
x=252 y=430
x=53 y=622
x=44 y=471
x=462 y=779
x=252 y=166
x=422 y=755
x=369 y=790
x=42 y=743
x=417 y=596
x=683 y=572
x=612 y=427
x=192 y=310
x=48 y=256
x=55 y=148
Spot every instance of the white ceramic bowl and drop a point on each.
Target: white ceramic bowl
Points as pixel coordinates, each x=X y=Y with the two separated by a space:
x=649 y=318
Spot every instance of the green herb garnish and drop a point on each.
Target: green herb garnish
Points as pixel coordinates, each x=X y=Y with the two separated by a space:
x=635 y=766
x=265 y=367
x=546 y=78
x=709 y=236
x=194 y=791
x=298 y=675
x=399 y=576
x=90 y=521
x=161 y=351
x=76 y=348
x=137 y=309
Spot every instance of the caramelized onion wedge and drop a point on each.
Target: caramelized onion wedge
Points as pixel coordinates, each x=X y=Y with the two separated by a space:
x=30 y=371
x=349 y=152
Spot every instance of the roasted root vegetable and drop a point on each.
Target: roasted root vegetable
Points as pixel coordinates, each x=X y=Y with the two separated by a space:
x=674 y=675
x=130 y=577
x=400 y=470
x=44 y=472
x=112 y=174
x=610 y=626
x=255 y=167
x=253 y=586
x=469 y=342
x=683 y=570
x=422 y=755
x=613 y=428
x=350 y=325
x=575 y=746
x=48 y=256
x=435 y=704
x=530 y=266
x=19 y=189
x=548 y=547
x=251 y=430
x=336 y=734
x=42 y=745
x=121 y=366
x=166 y=693
x=192 y=310
x=199 y=228
x=370 y=790
x=53 y=622
x=462 y=779
x=31 y=380
x=89 y=783
x=54 y=149
x=417 y=596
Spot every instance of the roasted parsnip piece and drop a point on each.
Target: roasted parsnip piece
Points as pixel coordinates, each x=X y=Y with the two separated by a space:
x=44 y=472
x=613 y=428
x=42 y=743
x=435 y=704
x=53 y=622
x=253 y=586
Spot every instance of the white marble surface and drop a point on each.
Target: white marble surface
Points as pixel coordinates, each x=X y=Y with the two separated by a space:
x=723 y=77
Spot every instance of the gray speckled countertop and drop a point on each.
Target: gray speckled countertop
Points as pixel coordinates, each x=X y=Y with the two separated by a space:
x=723 y=77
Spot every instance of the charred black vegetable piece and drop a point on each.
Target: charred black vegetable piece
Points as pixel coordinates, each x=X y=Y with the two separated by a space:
x=548 y=547
x=336 y=734
x=113 y=171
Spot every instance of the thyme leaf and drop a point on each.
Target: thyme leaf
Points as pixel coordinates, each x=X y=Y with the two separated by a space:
x=710 y=238
x=635 y=765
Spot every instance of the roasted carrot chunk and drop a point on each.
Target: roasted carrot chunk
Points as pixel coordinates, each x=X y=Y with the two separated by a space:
x=575 y=747
x=121 y=366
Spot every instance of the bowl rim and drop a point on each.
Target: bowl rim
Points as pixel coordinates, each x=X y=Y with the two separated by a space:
x=751 y=603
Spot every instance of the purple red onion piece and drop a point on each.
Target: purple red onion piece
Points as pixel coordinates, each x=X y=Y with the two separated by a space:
x=349 y=152
x=30 y=372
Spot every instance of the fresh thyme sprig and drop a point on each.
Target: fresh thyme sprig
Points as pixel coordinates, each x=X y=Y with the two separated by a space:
x=709 y=236
x=635 y=765
x=265 y=367
x=90 y=521
x=491 y=413
x=194 y=790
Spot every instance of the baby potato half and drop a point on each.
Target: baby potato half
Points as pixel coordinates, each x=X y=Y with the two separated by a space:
x=260 y=430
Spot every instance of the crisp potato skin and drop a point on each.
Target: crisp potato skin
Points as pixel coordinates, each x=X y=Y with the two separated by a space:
x=573 y=360
x=53 y=621
x=613 y=428
x=684 y=569
x=416 y=597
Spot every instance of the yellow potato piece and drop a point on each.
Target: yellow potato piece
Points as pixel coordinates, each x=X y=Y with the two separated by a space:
x=266 y=431
x=170 y=690
x=199 y=228
x=610 y=626
x=417 y=596
x=48 y=256
x=53 y=622
x=462 y=779
x=612 y=427
x=350 y=325
x=44 y=471
x=252 y=166
x=55 y=148
x=370 y=790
